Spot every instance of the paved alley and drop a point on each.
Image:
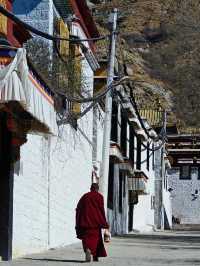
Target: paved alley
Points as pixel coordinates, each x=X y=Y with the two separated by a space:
x=159 y=249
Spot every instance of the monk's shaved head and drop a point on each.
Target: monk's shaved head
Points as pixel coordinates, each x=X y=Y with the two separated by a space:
x=94 y=187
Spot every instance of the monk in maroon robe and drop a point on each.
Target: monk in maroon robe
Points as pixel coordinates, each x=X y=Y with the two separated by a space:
x=90 y=219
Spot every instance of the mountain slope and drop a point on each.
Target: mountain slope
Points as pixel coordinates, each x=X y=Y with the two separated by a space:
x=159 y=45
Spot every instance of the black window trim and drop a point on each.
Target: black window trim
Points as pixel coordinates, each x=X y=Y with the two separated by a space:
x=139 y=151
x=148 y=156
x=110 y=199
x=120 y=191
x=181 y=172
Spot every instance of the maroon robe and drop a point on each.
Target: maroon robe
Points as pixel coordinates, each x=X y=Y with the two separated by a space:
x=90 y=219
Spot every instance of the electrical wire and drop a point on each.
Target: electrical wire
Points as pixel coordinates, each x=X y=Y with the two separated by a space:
x=137 y=113
x=145 y=146
x=45 y=35
x=96 y=97
x=75 y=40
x=87 y=110
x=94 y=102
x=99 y=95
x=133 y=102
x=71 y=116
x=156 y=148
x=55 y=39
x=132 y=99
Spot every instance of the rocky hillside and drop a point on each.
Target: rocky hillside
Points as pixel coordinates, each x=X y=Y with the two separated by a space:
x=159 y=47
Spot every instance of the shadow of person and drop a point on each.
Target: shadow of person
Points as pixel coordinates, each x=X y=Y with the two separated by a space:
x=55 y=260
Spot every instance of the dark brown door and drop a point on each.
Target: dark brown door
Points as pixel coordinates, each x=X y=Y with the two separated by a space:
x=6 y=191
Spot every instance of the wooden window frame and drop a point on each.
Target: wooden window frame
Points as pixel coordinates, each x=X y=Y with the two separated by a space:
x=132 y=145
x=181 y=172
x=153 y=157
x=120 y=191
x=114 y=123
x=110 y=186
x=148 y=156
x=198 y=174
x=123 y=137
x=124 y=185
x=139 y=151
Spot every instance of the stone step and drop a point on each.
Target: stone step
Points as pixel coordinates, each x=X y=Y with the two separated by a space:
x=186 y=227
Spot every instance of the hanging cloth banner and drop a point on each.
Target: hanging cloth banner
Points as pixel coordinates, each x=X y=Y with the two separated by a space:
x=3 y=20
x=14 y=80
x=17 y=84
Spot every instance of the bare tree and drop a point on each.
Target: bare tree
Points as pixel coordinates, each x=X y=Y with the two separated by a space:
x=63 y=74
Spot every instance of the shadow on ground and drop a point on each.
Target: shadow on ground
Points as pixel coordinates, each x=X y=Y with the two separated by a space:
x=170 y=238
x=55 y=260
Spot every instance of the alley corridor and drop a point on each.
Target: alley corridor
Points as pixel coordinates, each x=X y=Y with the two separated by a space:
x=159 y=249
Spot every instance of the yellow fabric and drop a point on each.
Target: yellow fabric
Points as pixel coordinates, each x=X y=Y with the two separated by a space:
x=3 y=20
x=64 y=33
x=75 y=80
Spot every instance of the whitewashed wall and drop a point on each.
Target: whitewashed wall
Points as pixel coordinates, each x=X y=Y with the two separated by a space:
x=30 y=207
x=143 y=214
x=53 y=174
x=71 y=178
x=36 y=13
x=167 y=204
x=71 y=166
x=143 y=218
x=184 y=206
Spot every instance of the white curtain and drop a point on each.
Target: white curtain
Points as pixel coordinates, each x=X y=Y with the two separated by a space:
x=16 y=84
x=14 y=80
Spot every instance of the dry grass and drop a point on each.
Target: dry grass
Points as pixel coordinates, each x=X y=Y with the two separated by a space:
x=160 y=41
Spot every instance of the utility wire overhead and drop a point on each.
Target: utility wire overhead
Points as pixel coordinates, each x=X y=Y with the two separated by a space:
x=98 y=96
x=137 y=113
x=162 y=138
x=145 y=146
x=140 y=119
x=156 y=148
x=94 y=100
x=45 y=35
x=74 y=40
x=55 y=39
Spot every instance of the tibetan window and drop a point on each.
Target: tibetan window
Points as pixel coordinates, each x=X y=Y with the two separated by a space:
x=185 y=172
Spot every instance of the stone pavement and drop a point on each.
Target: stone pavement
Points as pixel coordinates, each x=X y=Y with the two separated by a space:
x=157 y=249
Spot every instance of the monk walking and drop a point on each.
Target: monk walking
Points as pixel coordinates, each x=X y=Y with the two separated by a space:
x=90 y=219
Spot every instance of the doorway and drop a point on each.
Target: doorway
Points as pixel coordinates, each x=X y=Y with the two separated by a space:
x=130 y=220
x=133 y=199
x=6 y=190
